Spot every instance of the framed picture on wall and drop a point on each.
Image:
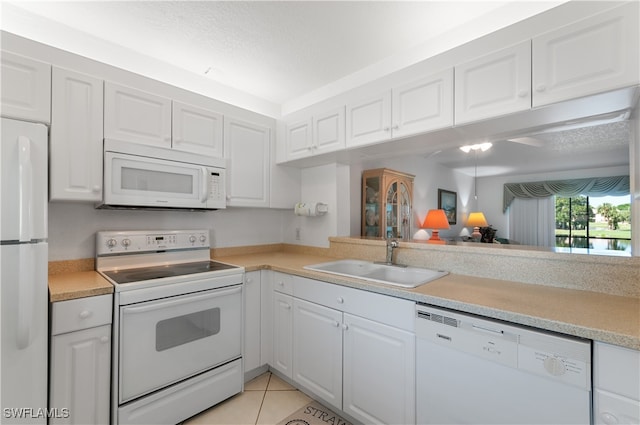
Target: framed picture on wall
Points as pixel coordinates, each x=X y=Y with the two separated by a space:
x=448 y=201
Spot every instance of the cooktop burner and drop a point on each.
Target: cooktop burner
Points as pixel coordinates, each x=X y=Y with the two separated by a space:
x=139 y=274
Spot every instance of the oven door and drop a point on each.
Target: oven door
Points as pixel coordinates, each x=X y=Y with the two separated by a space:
x=167 y=340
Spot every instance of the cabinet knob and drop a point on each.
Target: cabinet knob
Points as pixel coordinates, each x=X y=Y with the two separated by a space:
x=340 y=300
x=104 y=339
x=395 y=127
x=541 y=87
x=84 y=314
x=386 y=129
x=281 y=283
x=287 y=306
x=523 y=93
x=336 y=324
x=609 y=418
x=249 y=280
x=345 y=327
x=96 y=189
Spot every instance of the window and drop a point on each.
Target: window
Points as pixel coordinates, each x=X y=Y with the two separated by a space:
x=595 y=223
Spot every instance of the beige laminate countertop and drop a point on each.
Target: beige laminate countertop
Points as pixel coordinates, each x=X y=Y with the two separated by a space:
x=592 y=315
x=72 y=285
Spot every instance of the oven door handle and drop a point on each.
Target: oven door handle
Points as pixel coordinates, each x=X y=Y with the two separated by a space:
x=178 y=301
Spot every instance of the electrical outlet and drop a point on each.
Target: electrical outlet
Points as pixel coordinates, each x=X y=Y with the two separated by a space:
x=297 y=233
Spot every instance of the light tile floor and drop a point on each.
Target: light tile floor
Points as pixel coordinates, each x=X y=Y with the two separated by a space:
x=266 y=400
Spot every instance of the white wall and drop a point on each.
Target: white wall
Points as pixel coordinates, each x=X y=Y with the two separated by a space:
x=328 y=184
x=72 y=226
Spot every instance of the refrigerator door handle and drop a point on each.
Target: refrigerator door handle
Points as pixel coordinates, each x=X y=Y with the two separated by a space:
x=25 y=189
x=26 y=282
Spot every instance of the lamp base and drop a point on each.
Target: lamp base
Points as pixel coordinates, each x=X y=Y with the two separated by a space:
x=435 y=238
x=476 y=235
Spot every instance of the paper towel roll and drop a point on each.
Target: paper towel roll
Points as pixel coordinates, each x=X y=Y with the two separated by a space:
x=310 y=209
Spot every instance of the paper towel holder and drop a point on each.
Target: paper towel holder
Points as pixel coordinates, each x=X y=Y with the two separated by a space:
x=310 y=209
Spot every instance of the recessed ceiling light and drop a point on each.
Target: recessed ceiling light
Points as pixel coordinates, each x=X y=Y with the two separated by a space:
x=479 y=146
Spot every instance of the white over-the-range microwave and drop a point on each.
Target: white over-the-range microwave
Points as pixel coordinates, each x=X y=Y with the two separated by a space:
x=140 y=176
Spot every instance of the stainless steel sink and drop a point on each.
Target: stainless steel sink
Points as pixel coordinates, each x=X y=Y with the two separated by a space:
x=406 y=277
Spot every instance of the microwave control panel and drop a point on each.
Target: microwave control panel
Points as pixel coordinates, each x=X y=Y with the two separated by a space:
x=216 y=197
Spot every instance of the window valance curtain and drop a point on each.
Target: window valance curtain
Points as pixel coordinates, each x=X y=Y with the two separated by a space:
x=595 y=186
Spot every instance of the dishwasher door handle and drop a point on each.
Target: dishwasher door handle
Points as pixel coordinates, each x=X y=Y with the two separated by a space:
x=485 y=329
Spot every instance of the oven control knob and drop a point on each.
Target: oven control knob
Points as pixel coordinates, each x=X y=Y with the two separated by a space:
x=203 y=238
x=126 y=242
x=112 y=243
x=192 y=239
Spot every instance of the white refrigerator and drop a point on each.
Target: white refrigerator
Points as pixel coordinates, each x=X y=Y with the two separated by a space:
x=23 y=272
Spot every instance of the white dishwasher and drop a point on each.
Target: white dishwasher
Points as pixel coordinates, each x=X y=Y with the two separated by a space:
x=473 y=370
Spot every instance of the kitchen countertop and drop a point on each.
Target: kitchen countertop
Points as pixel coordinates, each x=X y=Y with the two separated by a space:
x=608 y=318
x=72 y=285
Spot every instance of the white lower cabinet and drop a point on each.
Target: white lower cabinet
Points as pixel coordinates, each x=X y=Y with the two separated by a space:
x=616 y=385
x=282 y=334
x=354 y=350
x=252 y=313
x=317 y=350
x=379 y=372
x=80 y=379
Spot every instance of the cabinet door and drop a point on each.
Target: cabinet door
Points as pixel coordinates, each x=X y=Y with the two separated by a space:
x=317 y=350
x=252 y=312
x=494 y=85
x=369 y=121
x=26 y=88
x=80 y=376
x=76 y=137
x=135 y=116
x=328 y=131
x=298 y=139
x=591 y=56
x=379 y=372
x=423 y=105
x=247 y=147
x=282 y=333
x=197 y=130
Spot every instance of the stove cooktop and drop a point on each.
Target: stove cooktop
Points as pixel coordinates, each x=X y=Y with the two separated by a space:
x=138 y=274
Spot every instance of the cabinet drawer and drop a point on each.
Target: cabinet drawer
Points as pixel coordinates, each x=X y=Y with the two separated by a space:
x=617 y=370
x=381 y=308
x=82 y=313
x=283 y=282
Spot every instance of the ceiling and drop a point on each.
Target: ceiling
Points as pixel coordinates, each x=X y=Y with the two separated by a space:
x=278 y=56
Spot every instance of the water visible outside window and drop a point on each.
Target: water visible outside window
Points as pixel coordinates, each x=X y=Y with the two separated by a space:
x=594 y=223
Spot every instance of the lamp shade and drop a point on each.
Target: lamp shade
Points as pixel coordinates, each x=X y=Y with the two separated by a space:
x=476 y=219
x=436 y=219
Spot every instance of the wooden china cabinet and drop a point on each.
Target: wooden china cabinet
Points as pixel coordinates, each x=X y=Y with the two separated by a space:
x=386 y=203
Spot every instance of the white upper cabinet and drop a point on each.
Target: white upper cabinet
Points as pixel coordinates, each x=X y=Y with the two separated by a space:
x=299 y=139
x=369 y=120
x=328 y=131
x=247 y=148
x=319 y=134
x=197 y=130
x=594 y=55
x=423 y=105
x=135 y=116
x=494 y=85
x=26 y=88
x=76 y=137
x=415 y=107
